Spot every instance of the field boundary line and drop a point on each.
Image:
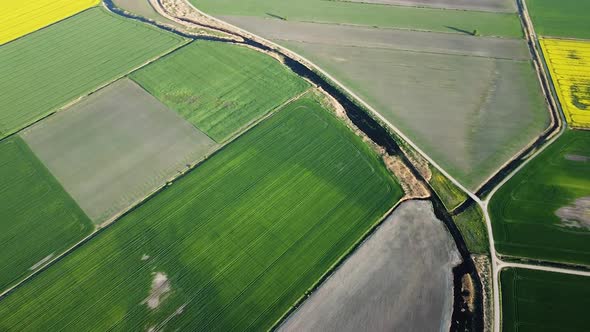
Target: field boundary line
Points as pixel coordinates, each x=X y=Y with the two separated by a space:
x=504 y=266
x=402 y=29
x=242 y=130
x=78 y=99
x=404 y=50
x=426 y=7
x=566 y=38
x=138 y=203
x=335 y=266
x=556 y=113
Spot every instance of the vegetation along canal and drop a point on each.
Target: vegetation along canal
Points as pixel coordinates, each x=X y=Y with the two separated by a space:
x=463 y=319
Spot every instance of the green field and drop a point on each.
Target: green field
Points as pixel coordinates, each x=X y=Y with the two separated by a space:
x=472 y=226
x=450 y=195
x=563 y=18
x=539 y=301
x=454 y=21
x=53 y=66
x=240 y=238
x=220 y=88
x=37 y=218
x=525 y=210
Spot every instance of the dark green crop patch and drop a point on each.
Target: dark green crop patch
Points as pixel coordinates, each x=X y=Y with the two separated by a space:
x=534 y=213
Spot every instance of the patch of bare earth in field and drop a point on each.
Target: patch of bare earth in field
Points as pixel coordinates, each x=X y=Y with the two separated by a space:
x=160 y=289
x=576 y=215
x=399 y=279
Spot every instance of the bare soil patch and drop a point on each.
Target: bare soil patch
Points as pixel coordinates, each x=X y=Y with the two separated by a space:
x=576 y=157
x=160 y=289
x=399 y=279
x=576 y=215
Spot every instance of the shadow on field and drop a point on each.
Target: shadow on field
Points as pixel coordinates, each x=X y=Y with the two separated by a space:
x=459 y=30
x=277 y=16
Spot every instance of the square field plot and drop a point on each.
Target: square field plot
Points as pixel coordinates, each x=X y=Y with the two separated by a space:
x=115 y=147
x=18 y=18
x=38 y=219
x=220 y=88
x=540 y=301
x=236 y=241
x=52 y=67
x=569 y=64
x=542 y=211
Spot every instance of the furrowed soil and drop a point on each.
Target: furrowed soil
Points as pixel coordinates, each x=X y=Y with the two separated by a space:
x=544 y=301
x=529 y=213
x=52 y=67
x=38 y=218
x=399 y=279
x=115 y=147
x=239 y=239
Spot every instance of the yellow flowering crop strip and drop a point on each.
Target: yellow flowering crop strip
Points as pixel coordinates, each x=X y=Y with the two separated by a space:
x=569 y=64
x=18 y=18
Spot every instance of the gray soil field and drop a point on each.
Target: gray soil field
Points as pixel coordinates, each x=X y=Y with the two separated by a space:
x=115 y=147
x=399 y=279
x=342 y=35
x=469 y=102
x=485 y=5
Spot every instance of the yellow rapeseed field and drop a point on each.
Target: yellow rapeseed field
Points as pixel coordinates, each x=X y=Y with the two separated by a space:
x=18 y=18
x=569 y=64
